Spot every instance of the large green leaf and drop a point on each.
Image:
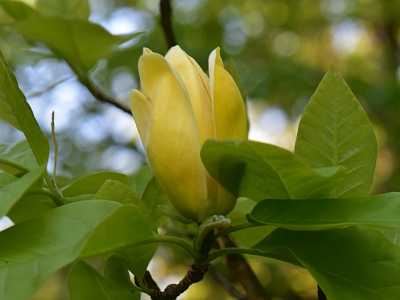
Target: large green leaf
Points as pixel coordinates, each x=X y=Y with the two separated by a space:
x=30 y=206
x=80 y=43
x=335 y=131
x=84 y=283
x=11 y=193
x=92 y=183
x=79 y=9
x=31 y=250
x=119 y=192
x=316 y=214
x=17 y=158
x=258 y=171
x=15 y=110
x=357 y=262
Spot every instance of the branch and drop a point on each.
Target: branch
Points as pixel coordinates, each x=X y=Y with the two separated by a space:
x=166 y=12
x=244 y=274
x=225 y=282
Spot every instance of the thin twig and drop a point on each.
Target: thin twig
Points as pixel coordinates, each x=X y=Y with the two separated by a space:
x=166 y=12
x=321 y=294
x=225 y=282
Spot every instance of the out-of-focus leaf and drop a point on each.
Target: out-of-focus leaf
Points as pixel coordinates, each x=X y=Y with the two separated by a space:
x=11 y=193
x=356 y=262
x=17 y=158
x=18 y=10
x=92 y=183
x=79 y=9
x=258 y=171
x=80 y=43
x=335 y=131
x=16 y=111
x=119 y=192
x=35 y=248
x=320 y=214
x=139 y=182
x=84 y=283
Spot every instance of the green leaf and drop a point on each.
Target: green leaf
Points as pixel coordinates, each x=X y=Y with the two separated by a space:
x=17 y=158
x=84 y=283
x=356 y=262
x=80 y=43
x=11 y=193
x=17 y=9
x=319 y=214
x=6 y=179
x=139 y=182
x=30 y=206
x=258 y=171
x=15 y=110
x=117 y=276
x=171 y=212
x=335 y=131
x=79 y=9
x=92 y=183
x=152 y=197
x=119 y=192
x=35 y=248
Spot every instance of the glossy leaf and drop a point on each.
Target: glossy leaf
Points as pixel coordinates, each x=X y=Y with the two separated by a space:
x=80 y=43
x=119 y=192
x=12 y=192
x=79 y=9
x=258 y=171
x=335 y=131
x=33 y=249
x=84 y=283
x=356 y=262
x=15 y=110
x=17 y=158
x=92 y=183
x=318 y=214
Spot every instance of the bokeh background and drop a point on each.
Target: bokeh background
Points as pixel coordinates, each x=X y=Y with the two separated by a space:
x=282 y=50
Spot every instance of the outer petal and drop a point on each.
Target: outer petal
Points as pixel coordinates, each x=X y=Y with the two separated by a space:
x=197 y=85
x=173 y=147
x=228 y=107
x=141 y=111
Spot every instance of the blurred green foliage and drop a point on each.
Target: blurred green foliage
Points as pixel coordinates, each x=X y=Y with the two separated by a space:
x=281 y=48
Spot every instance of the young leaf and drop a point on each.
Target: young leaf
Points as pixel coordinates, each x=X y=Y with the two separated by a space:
x=17 y=158
x=15 y=110
x=315 y=214
x=258 y=171
x=356 y=262
x=78 y=9
x=92 y=183
x=12 y=192
x=84 y=283
x=119 y=192
x=33 y=249
x=80 y=43
x=335 y=131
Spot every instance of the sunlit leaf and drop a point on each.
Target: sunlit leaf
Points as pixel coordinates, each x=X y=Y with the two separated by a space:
x=15 y=110
x=258 y=171
x=318 y=214
x=335 y=131
x=357 y=262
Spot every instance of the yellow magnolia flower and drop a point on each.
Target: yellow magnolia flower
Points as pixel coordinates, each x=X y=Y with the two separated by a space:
x=179 y=108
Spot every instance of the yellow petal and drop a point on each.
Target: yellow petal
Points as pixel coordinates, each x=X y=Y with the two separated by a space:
x=141 y=111
x=173 y=147
x=226 y=201
x=228 y=107
x=196 y=82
